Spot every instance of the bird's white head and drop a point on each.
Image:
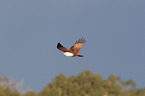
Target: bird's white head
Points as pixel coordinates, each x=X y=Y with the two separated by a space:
x=68 y=54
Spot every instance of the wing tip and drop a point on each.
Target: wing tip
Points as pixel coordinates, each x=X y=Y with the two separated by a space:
x=59 y=45
x=81 y=40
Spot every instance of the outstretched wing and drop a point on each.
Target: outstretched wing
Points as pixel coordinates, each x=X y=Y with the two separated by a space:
x=61 y=48
x=77 y=46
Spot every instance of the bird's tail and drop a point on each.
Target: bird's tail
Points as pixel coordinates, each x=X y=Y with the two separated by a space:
x=80 y=56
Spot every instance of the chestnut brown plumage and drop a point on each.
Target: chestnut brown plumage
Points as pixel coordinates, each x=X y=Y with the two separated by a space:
x=60 y=47
x=74 y=49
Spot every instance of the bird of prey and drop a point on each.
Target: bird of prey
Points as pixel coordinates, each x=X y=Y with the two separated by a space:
x=73 y=51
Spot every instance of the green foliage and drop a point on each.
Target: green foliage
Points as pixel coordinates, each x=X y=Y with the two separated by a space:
x=84 y=84
x=30 y=93
x=88 y=84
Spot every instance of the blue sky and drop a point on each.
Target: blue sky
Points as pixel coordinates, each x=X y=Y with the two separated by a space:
x=30 y=30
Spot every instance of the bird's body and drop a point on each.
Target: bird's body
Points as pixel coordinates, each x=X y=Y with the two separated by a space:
x=68 y=54
x=73 y=52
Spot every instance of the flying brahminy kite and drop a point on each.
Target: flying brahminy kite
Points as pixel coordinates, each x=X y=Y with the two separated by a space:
x=73 y=52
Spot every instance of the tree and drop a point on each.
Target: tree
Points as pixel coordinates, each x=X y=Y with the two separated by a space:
x=84 y=84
